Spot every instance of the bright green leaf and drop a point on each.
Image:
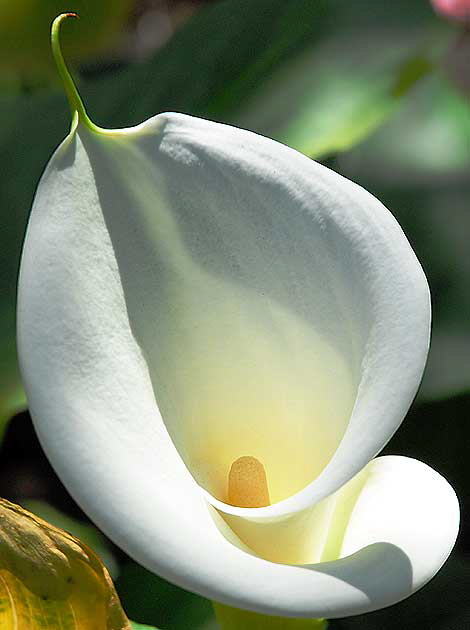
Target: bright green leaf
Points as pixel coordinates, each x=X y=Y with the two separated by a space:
x=434 y=132
x=335 y=100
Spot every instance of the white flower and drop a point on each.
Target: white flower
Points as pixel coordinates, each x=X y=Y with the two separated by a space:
x=191 y=293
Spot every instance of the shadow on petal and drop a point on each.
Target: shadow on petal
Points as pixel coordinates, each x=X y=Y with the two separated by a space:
x=382 y=571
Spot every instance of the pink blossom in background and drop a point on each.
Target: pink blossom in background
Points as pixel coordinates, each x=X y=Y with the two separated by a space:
x=455 y=9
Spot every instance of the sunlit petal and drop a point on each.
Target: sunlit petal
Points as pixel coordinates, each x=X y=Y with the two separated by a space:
x=191 y=293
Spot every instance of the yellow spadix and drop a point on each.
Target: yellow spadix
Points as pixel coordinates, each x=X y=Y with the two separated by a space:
x=247 y=483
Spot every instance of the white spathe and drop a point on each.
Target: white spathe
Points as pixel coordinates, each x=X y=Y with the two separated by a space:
x=191 y=293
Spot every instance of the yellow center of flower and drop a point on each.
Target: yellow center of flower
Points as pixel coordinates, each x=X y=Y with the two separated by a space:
x=247 y=483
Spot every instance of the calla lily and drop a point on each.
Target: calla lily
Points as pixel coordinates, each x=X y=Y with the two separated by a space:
x=217 y=335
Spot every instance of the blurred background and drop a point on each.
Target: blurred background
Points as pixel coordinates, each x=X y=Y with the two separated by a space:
x=378 y=91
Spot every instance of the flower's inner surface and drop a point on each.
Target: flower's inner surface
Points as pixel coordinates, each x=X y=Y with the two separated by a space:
x=243 y=317
x=315 y=534
x=247 y=484
x=239 y=374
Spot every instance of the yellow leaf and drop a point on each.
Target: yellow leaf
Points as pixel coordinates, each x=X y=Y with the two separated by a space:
x=49 y=580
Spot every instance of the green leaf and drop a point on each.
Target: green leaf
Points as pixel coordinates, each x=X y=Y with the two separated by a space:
x=139 y=626
x=433 y=129
x=335 y=100
x=198 y=72
x=418 y=166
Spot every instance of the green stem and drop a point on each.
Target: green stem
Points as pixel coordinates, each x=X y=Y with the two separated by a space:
x=75 y=102
x=235 y=619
